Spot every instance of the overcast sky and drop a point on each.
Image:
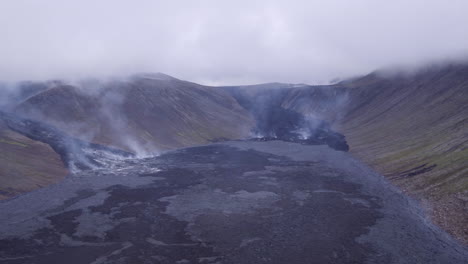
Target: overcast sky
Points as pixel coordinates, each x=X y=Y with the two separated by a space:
x=226 y=42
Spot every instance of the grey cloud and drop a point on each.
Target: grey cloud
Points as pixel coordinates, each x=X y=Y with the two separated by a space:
x=226 y=42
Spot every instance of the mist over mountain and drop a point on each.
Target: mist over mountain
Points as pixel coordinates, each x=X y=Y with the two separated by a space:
x=221 y=132
x=219 y=43
x=409 y=126
x=143 y=114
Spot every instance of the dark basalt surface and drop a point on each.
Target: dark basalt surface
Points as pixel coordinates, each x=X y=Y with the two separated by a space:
x=235 y=202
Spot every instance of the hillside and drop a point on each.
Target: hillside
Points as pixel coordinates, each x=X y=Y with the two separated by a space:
x=413 y=128
x=143 y=114
x=26 y=164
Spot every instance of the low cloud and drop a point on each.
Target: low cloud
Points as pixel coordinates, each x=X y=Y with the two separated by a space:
x=215 y=42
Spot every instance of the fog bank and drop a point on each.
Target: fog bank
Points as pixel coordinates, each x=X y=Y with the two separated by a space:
x=215 y=42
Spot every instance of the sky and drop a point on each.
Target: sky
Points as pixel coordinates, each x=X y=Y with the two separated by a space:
x=226 y=42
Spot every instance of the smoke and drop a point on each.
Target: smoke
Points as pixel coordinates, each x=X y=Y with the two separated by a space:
x=91 y=110
x=225 y=42
x=8 y=96
x=284 y=110
x=12 y=93
x=309 y=126
x=111 y=111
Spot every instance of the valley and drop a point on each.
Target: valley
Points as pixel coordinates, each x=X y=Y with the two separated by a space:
x=153 y=168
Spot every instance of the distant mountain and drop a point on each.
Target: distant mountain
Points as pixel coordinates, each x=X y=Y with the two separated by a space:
x=145 y=113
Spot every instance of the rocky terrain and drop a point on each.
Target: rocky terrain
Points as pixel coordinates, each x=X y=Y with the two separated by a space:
x=232 y=202
x=76 y=155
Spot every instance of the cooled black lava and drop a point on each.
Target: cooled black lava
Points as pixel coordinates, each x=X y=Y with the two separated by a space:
x=273 y=122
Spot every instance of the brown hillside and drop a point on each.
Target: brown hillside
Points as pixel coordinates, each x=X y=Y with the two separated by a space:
x=26 y=164
x=142 y=114
x=412 y=128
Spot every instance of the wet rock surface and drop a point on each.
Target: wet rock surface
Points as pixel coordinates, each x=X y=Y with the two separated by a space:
x=234 y=202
